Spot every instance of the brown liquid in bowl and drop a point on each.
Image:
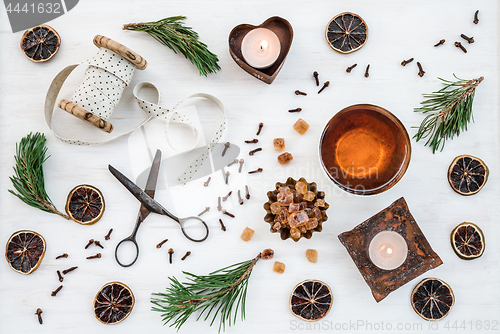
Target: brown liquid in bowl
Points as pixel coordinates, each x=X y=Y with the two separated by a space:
x=365 y=149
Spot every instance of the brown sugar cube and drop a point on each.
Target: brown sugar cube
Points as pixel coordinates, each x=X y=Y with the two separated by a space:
x=247 y=234
x=312 y=255
x=267 y=254
x=285 y=158
x=279 y=144
x=301 y=126
x=279 y=267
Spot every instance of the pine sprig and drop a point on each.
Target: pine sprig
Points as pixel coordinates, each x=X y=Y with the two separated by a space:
x=180 y=39
x=28 y=179
x=450 y=111
x=223 y=292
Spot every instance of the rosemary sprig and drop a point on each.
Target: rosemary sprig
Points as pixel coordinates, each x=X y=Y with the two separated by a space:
x=28 y=179
x=222 y=291
x=450 y=111
x=179 y=38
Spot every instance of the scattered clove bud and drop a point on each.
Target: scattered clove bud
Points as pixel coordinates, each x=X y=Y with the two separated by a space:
x=459 y=45
x=226 y=146
x=54 y=293
x=404 y=62
x=170 y=252
x=253 y=141
x=219 y=206
x=97 y=243
x=316 y=77
x=204 y=211
x=68 y=270
x=227 y=196
x=421 y=72
x=65 y=255
x=242 y=161
x=298 y=92
x=185 y=255
x=258 y=170
x=252 y=152
x=476 y=19
x=97 y=256
x=260 y=128
x=232 y=162
x=39 y=314
x=60 y=277
x=326 y=84
x=240 y=200
x=205 y=184
x=247 y=192
x=349 y=69
x=91 y=241
x=366 y=71
x=227 y=213
x=295 y=110
x=441 y=42
x=227 y=177
x=161 y=243
x=107 y=236
x=222 y=227
x=468 y=39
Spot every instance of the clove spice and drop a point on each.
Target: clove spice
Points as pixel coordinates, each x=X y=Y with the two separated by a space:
x=60 y=277
x=91 y=241
x=107 y=236
x=222 y=227
x=65 y=255
x=185 y=255
x=298 y=92
x=326 y=84
x=252 y=152
x=366 y=71
x=227 y=196
x=232 y=162
x=476 y=19
x=204 y=211
x=421 y=72
x=349 y=69
x=205 y=184
x=468 y=39
x=226 y=146
x=404 y=62
x=227 y=213
x=316 y=77
x=54 y=293
x=459 y=45
x=68 y=270
x=441 y=42
x=258 y=170
x=161 y=243
x=170 y=252
x=39 y=314
x=97 y=243
x=242 y=161
x=253 y=141
x=247 y=192
x=97 y=256
x=227 y=177
x=219 y=206
x=295 y=110
x=240 y=200
x=260 y=128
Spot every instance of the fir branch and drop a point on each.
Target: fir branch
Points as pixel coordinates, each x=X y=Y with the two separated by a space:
x=450 y=111
x=180 y=39
x=222 y=291
x=28 y=179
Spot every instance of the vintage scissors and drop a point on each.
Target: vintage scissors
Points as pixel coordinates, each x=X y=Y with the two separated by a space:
x=150 y=205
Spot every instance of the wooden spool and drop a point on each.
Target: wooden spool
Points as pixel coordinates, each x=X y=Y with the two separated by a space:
x=105 y=42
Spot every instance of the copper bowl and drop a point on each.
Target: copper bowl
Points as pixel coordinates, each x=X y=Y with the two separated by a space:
x=365 y=149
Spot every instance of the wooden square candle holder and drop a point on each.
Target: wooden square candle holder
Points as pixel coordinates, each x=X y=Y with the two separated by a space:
x=281 y=27
x=420 y=257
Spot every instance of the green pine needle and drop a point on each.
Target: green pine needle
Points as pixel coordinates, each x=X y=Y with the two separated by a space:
x=180 y=39
x=450 y=111
x=222 y=291
x=28 y=179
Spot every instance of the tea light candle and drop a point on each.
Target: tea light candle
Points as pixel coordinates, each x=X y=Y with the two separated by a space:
x=260 y=48
x=388 y=250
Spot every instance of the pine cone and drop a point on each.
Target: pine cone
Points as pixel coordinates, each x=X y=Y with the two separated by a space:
x=296 y=209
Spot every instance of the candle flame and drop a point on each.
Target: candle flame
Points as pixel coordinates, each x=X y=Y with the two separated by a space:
x=264 y=44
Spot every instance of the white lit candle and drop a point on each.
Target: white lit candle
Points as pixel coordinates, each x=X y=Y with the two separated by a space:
x=260 y=48
x=388 y=250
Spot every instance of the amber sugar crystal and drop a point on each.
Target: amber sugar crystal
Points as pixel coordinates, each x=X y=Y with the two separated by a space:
x=312 y=255
x=301 y=126
x=279 y=144
x=285 y=158
x=247 y=234
x=279 y=267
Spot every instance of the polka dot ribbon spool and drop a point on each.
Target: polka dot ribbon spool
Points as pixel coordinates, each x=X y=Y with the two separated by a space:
x=108 y=73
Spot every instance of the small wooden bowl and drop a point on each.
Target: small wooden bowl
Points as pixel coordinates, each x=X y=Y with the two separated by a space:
x=281 y=27
x=365 y=149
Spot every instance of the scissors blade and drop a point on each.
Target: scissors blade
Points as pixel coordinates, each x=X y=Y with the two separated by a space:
x=151 y=184
x=146 y=200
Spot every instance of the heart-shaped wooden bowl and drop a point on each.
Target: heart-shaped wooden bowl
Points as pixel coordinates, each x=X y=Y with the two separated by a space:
x=281 y=27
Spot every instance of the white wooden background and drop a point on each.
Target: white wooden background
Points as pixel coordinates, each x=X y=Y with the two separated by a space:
x=398 y=30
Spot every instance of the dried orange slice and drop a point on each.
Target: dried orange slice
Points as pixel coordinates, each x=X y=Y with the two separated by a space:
x=467 y=241
x=85 y=204
x=346 y=32
x=467 y=174
x=113 y=303
x=40 y=43
x=311 y=300
x=25 y=251
x=432 y=299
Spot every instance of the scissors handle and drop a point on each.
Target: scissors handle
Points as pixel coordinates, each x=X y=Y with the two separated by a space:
x=181 y=222
x=127 y=239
